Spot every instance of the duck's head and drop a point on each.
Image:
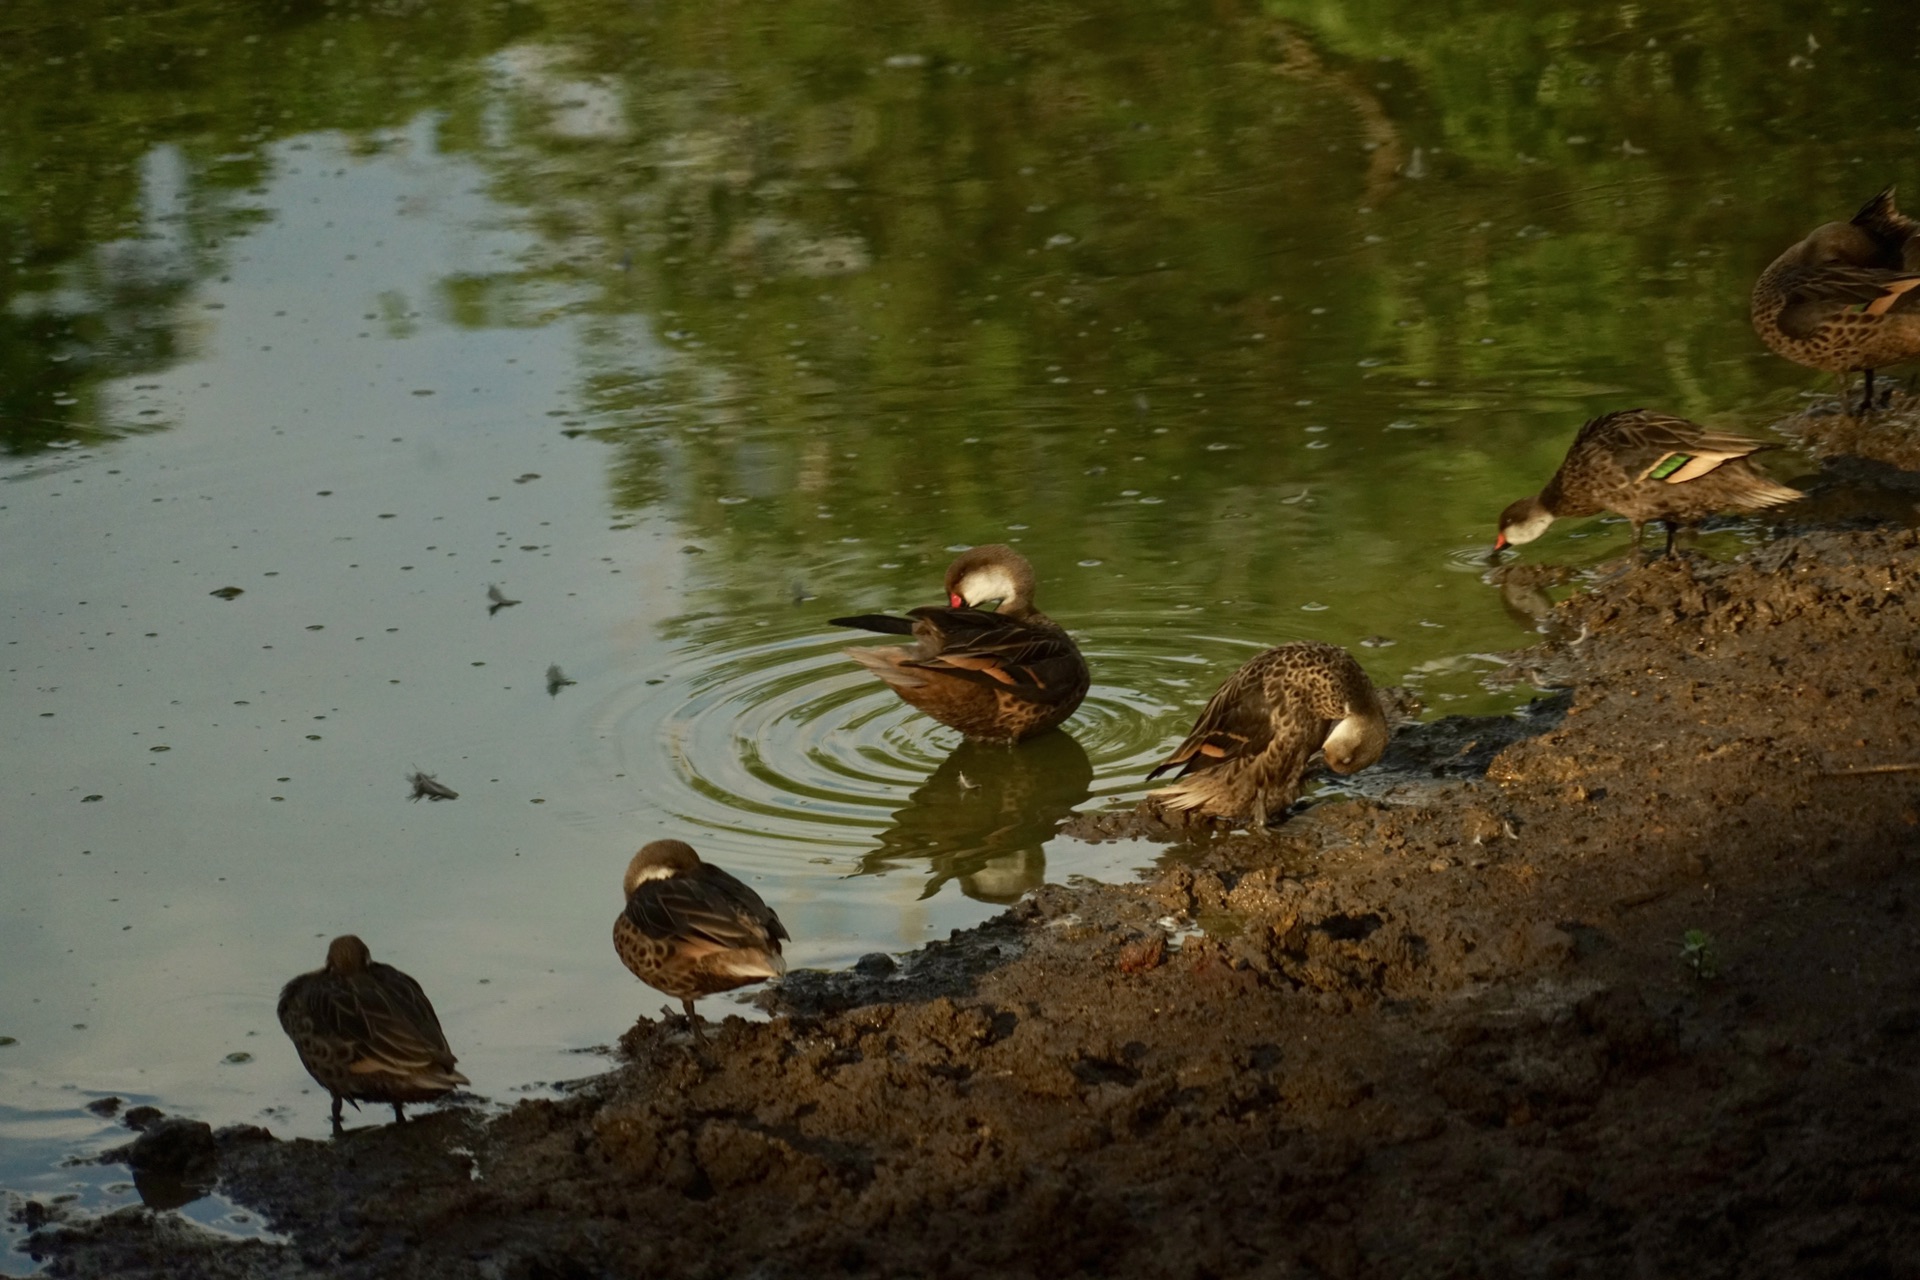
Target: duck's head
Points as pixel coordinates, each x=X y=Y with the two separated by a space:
x=660 y=860
x=1843 y=244
x=1522 y=521
x=1357 y=741
x=347 y=954
x=994 y=577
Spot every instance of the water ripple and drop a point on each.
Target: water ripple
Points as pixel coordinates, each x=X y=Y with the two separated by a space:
x=786 y=739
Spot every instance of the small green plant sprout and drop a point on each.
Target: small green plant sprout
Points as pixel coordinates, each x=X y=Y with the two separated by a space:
x=1697 y=953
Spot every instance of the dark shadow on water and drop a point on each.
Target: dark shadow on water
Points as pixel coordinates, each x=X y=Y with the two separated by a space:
x=983 y=816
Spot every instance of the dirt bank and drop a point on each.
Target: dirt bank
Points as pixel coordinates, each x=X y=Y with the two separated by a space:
x=1627 y=988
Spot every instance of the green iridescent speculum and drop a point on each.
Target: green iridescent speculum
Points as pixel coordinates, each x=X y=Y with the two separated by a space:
x=1668 y=465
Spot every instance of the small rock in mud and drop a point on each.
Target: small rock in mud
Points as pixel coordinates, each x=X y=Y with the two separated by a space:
x=172 y=1145
x=1142 y=954
x=174 y=1162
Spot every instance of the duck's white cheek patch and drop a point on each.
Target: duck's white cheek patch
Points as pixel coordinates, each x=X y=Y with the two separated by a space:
x=987 y=584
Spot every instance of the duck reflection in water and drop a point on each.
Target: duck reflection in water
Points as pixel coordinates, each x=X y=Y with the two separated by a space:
x=983 y=816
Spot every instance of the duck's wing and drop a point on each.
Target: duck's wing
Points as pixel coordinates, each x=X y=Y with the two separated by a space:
x=707 y=908
x=884 y=623
x=1040 y=663
x=1817 y=296
x=1236 y=723
x=381 y=1016
x=402 y=1032
x=1658 y=446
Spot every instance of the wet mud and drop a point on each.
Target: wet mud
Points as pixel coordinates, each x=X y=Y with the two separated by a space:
x=1889 y=435
x=1624 y=986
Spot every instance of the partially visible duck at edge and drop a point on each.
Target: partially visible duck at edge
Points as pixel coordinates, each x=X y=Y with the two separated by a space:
x=1253 y=740
x=1846 y=298
x=690 y=929
x=988 y=662
x=1647 y=466
x=366 y=1032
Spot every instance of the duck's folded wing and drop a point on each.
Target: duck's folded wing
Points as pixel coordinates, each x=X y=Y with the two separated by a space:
x=388 y=1020
x=1655 y=446
x=1816 y=298
x=1237 y=722
x=884 y=623
x=1041 y=665
x=711 y=910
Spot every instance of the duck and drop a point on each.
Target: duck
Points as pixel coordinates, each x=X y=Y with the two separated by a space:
x=1847 y=297
x=689 y=929
x=366 y=1032
x=987 y=663
x=1646 y=466
x=1246 y=753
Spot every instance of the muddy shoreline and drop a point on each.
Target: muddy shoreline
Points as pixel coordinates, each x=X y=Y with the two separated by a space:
x=1625 y=987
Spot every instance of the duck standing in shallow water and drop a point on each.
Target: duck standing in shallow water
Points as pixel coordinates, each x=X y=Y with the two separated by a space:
x=367 y=1032
x=1847 y=297
x=1250 y=745
x=987 y=663
x=692 y=930
x=1646 y=466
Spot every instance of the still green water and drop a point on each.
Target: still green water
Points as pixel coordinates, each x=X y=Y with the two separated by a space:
x=694 y=326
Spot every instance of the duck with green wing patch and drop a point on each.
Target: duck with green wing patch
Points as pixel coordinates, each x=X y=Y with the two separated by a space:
x=1647 y=466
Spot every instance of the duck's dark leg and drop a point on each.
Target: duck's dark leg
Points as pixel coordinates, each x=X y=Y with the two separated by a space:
x=693 y=1023
x=399 y=1116
x=337 y=1127
x=1639 y=529
x=1673 y=527
x=1866 y=401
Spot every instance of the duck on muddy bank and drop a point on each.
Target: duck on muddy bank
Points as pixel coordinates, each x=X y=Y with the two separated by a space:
x=1646 y=964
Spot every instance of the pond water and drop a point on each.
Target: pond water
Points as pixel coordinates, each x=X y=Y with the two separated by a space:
x=691 y=330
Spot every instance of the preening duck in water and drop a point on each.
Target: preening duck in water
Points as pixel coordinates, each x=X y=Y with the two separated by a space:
x=987 y=662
